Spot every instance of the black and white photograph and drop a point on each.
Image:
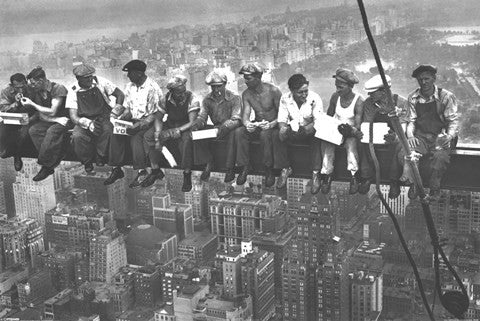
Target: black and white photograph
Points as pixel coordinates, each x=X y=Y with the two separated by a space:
x=255 y=160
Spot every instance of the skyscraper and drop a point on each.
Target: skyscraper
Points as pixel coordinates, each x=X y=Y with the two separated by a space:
x=198 y=199
x=107 y=255
x=398 y=204
x=7 y=177
x=111 y=196
x=33 y=199
x=258 y=282
x=236 y=217
x=72 y=227
x=366 y=291
x=172 y=217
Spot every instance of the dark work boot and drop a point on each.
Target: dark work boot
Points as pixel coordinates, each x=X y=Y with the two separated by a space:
x=137 y=181
x=353 y=184
x=282 y=180
x=88 y=167
x=412 y=192
x=242 y=177
x=269 y=178
x=152 y=177
x=364 y=186
x=315 y=183
x=229 y=175
x=326 y=183
x=115 y=175
x=17 y=163
x=43 y=173
x=394 y=190
x=187 y=182
x=206 y=172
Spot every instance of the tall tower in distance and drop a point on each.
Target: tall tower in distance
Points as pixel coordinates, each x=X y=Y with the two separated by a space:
x=33 y=199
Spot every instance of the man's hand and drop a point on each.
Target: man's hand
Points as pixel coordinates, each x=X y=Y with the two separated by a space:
x=444 y=141
x=390 y=137
x=18 y=97
x=176 y=133
x=26 y=101
x=346 y=130
x=250 y=127
x=197 y=124
x=158 y=144
x=413 y=142
x=283 y=133
x=264 y=125
x=95 y=127
x=222 y=131
x=134 y=129
x=62 y=121
x=126 y=115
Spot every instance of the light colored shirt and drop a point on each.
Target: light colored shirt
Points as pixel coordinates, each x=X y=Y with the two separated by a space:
x=448 y=106
x=105 y=86
x=144 y=100
x=289 y=112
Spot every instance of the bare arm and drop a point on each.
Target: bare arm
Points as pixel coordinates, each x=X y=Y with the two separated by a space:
x=247 y=109
x=56 y=104
x=119 y=95
x=191 y=118
x=358 y=111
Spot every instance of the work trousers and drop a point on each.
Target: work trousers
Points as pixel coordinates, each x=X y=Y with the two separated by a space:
x=50 y=140
x=367 y=168
x=88 y=146
x=274 y=151
x=328 y=151
x=440 y=157
x=139 y=148
x=203 y=149
x=304 y=138
x=12 y=138
x=182 y=147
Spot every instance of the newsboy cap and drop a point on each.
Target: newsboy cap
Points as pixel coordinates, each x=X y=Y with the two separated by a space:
x=375 y=83
x=250 y=69
x=346 y=75
x=135 y=65
x=176 y=81
x=216 y=78
x=429 y=68
x=83 y=70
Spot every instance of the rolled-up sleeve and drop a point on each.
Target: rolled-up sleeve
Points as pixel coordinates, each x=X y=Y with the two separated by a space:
x=283 y=110
x=411 y=112
x=450 y=113
x=194 y=103
x=5 y=99
x=236 y=108
x=317 y=107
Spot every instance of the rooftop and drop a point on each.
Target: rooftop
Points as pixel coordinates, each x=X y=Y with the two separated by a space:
x=198 y=239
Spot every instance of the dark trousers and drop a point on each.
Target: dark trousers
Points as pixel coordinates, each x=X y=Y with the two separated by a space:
x=439 y=156
x=307 y=138
x=118 y=146
x=50 y=140
x=367 y=169
x=203 y=149
x=182 y=146
x=87 y=146
x=12 y=138
x=274 y=151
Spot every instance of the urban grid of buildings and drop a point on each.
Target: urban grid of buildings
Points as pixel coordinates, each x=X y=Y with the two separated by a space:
x=72 y=248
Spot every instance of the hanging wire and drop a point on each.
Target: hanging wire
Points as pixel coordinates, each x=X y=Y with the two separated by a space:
x=456 y=302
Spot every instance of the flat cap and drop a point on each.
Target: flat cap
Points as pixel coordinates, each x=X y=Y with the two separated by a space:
x=36 y=73
x=216 y=78
x=346 y=75
x=250 y=69
x=135 y=65
x=430 y=68
x=375 y=83
x=83 y=70
x=176 y=81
